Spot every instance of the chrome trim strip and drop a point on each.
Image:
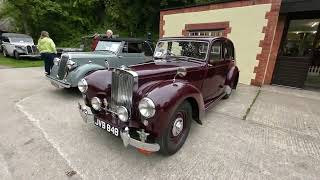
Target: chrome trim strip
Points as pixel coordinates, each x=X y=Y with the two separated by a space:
x=127 y=140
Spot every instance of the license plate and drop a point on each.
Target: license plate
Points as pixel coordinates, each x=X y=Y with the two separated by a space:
x=107 y=127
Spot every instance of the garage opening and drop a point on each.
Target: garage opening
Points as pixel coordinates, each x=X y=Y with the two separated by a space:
x=298 y=62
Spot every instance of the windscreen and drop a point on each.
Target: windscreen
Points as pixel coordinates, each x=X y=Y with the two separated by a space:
x=181 y=48
x=108 y=46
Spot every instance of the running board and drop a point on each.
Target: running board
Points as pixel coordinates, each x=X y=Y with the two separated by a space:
x=214 y=101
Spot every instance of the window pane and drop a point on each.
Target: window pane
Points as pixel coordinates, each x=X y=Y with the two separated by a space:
x=215 y=53
x=228 y=51
x=135 y=47
x=214 y=33
x=300 y=37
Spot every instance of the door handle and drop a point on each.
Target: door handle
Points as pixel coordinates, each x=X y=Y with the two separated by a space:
x=120 y=56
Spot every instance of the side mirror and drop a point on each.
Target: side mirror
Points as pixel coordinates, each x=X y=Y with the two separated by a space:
x=181 y=72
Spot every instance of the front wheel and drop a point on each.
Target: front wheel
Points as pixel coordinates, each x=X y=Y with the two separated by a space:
x=177 y=131
x=16 y=55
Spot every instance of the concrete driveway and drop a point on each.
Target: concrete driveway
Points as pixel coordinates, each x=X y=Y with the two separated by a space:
x=42 y=137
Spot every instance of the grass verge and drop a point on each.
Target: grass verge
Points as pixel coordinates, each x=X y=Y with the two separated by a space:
x=22 y=63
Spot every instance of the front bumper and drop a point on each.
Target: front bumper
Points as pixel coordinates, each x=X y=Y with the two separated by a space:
x=58 y=83
x=124 y=133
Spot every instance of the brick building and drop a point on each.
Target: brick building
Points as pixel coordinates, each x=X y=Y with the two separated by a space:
x=276 y=41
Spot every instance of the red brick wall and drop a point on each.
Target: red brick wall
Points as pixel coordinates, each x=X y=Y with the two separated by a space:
x=267 y=53
x=274 y=50
x=208 y=26
x=269 y=44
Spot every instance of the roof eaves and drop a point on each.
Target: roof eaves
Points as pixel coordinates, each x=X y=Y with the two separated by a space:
x=197 y=5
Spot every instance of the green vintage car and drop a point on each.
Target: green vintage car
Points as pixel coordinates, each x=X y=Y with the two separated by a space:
x=71 y=67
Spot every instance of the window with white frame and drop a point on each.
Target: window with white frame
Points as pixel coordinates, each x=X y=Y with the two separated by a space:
x=213 y=33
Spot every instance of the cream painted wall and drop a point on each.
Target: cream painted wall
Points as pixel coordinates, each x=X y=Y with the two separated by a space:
x=246 y=31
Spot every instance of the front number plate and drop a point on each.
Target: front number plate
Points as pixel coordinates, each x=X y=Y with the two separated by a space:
x=107 y=127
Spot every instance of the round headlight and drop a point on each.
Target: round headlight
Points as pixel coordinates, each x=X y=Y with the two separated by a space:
x=96 y=103
x=83 y=86
x=122 y=113
x=147 y=107
x=71 y=64
x=56 y=61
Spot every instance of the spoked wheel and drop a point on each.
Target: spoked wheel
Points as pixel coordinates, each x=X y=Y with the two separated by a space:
x=178 y=129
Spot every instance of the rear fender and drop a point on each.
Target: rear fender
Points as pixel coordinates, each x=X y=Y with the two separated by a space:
x=232 y=77
x=167 y=96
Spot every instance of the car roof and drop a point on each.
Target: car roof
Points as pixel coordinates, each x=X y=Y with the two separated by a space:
x=123 y=39
x=16 y=35
x=201 y=38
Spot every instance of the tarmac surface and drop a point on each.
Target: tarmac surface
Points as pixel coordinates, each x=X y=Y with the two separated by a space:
x=42 y=137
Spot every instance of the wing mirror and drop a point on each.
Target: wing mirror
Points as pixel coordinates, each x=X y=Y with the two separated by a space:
x=181 y=72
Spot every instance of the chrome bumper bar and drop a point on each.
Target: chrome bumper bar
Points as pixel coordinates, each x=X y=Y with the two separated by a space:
x=124 y=134
x=57 y=82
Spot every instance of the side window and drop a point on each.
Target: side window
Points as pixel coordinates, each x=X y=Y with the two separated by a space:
x=228 y=51
x=146 y=48
x=215 y=52
x=5 y=39
x=134 y=47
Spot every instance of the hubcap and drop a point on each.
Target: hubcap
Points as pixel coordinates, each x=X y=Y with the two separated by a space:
x=228 y=90
x=177 y=126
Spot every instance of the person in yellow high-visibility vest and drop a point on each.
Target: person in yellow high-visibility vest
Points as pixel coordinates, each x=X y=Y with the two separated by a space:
x=48 y=51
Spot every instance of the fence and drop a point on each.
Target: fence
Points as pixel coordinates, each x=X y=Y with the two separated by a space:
x=314 y=71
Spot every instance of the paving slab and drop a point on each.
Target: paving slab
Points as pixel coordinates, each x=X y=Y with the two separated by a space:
x=238 y=103
x=225 y=147
x=42 y=136
x=288 y=109
x=25 y=152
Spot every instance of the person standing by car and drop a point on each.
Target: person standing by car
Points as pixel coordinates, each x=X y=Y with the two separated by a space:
x=96 y=38
x=48 y=51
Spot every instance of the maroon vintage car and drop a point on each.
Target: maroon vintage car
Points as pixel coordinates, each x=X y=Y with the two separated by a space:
x=151 y=105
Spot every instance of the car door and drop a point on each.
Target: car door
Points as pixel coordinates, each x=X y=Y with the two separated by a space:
x=131 y=54
x=214 y=81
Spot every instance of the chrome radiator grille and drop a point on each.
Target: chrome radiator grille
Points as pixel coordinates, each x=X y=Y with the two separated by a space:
x=122 y=89
x=63 y=67
x=34 y=49
x=29 y=49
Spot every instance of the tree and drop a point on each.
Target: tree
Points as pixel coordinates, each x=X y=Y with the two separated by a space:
x=68 y=20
